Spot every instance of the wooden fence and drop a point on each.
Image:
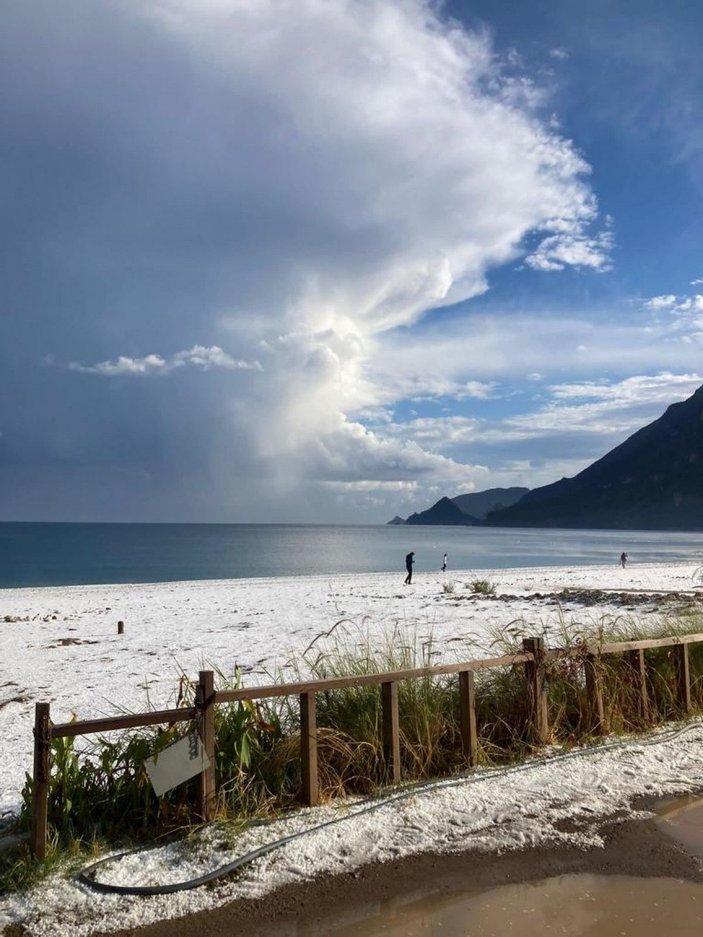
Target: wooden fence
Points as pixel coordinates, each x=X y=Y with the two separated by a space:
x=534 y=658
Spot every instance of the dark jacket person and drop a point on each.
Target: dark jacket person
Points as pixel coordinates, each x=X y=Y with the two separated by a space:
x=409 y=560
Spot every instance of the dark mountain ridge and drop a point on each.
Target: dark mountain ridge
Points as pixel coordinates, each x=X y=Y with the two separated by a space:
x=465 y=510
x=444 y=512
x=653 y=480
x=480 y=503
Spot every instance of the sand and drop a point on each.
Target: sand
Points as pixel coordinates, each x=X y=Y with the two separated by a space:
x=61 y=645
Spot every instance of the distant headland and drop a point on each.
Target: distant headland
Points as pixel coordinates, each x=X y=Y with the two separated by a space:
x=652 y=481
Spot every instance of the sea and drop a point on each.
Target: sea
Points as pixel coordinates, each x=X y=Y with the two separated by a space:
x=53 y=554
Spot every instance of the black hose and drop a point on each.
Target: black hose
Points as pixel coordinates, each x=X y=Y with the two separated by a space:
x=86 y=875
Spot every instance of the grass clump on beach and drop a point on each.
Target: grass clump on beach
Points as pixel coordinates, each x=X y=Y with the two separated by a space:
x=482 y=587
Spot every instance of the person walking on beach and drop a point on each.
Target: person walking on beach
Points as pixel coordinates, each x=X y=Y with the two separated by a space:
x=409 y=560
x=444 y=563
x=623 y=559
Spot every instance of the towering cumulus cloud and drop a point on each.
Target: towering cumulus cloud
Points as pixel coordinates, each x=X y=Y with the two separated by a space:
x=286 y=181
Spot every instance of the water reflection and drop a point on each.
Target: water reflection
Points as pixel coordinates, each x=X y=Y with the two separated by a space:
x=682 y=820
x=573 y=905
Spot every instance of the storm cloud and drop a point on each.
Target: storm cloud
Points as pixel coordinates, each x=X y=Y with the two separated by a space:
x=248 y=201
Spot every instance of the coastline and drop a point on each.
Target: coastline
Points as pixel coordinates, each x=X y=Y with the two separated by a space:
x=37 y=555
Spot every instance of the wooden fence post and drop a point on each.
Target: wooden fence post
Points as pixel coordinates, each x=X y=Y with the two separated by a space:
x=638 y=668
x=391 y=729
x=535 y=673
x=310 y=794
x=467 y=716
x=204 y=703
x=594 y=693
x=683 y=677
x=40 y=785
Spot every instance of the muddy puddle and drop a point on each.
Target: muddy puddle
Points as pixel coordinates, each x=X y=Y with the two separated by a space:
x=573 y=905
x=682 y=820
x=582 y=905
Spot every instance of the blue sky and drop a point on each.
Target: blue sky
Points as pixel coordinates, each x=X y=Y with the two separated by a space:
x=328 y=260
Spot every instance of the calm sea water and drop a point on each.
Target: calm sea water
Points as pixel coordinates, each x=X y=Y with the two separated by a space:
x=34 y=554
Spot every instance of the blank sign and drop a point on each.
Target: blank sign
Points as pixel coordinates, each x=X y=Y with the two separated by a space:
x=177 y=763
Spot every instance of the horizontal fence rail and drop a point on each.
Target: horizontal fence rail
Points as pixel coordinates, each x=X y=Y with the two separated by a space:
x=370 y=679
x=620 y=647
x=533 y=658
x=64 y=730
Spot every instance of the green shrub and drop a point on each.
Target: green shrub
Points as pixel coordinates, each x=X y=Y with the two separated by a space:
x=483 y=587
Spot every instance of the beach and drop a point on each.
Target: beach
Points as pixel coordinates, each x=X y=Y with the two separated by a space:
x=60 y=645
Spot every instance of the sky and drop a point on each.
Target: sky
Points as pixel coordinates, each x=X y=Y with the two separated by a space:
x=325 y=261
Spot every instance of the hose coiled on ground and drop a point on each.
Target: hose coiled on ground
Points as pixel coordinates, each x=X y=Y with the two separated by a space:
x=86 y=875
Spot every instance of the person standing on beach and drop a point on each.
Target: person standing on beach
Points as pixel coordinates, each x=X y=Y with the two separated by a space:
x=409 y=560
x=444 y=563
x=623 y=559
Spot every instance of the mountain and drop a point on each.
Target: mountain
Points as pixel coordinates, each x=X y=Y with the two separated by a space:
x=654 y=480
x=444 y=511
x=479 y=503
x=472 y=508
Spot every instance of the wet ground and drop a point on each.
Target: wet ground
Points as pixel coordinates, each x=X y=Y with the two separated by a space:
x=682 y=821
x=646 y=880
x=577 y=905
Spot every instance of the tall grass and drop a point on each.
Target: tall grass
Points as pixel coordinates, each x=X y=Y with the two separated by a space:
x=428 y=719
x=103 y=791
x=570 y=715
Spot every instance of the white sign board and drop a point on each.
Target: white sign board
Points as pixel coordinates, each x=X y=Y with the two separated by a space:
x=177 y=763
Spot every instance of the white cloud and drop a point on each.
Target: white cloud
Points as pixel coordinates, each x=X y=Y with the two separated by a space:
x=594 y=416
x=409 y=164
x=684 y=314
x=350 y=452
x=507 y=348
x=575 y=250
x=395 y=487
x=550 y=420
x=667 y=301
x=604 y=409
x=657 y=388
x=445 y=432
x=592 y=419
x=532 y=473
x=309 y=178
x=676 y=304
x=418 y=387
x=198 y=356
